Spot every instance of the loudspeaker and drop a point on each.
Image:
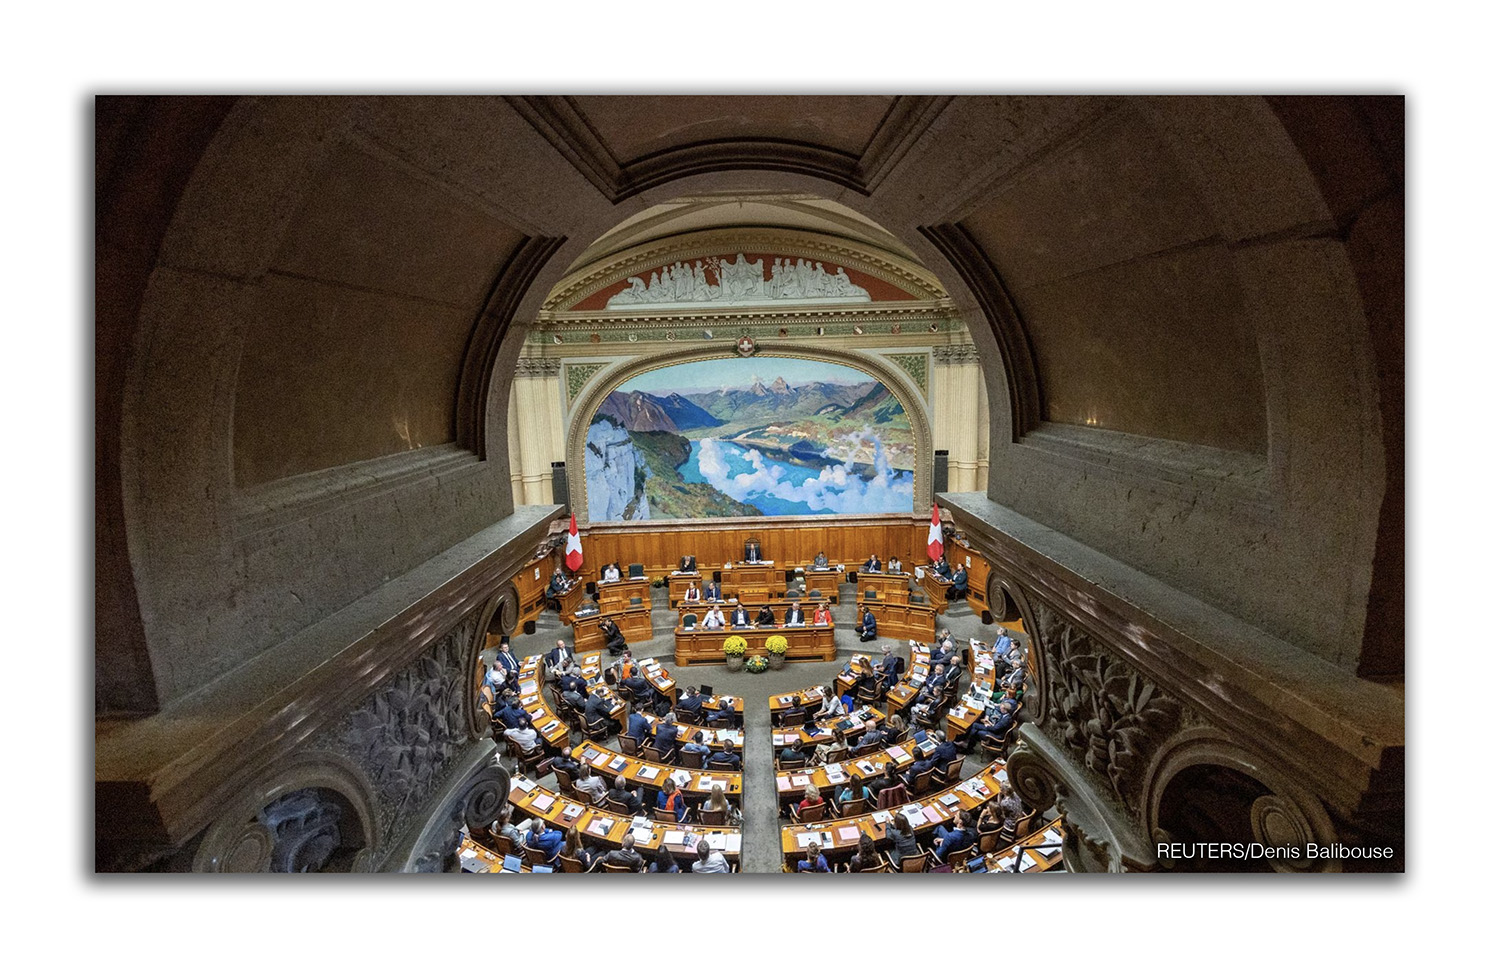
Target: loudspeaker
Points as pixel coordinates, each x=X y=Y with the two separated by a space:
x=560 y=483
x=939 y=471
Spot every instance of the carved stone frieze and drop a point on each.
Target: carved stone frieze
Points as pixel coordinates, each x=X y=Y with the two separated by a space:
x=955 y=355
x=1109 y=717
x=538 y=366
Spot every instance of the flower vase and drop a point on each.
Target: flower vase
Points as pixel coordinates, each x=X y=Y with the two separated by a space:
x=734 y=662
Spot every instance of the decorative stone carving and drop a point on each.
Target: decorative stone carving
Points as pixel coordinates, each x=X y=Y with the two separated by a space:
x=578 y=374
x=476 y=806
x=915 y=365
x=715 y=281
x=304 y=830
x=1107 y=715
x=508 y=611
x=538 y=366
x=955 y=355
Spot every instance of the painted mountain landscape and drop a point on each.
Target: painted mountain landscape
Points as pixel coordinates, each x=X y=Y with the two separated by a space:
x=766 y=436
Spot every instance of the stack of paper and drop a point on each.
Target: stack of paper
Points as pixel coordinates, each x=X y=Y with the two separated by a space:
x=682 y=777
x=732 y=843
x=544 y=801
x=848 y=835
x=523 y=784
x=836 y=773
x=673 y=838
x=600 y=758
x=647 y=772
x=618 y=763
x=717 y=840
x=601 y=827
x=882 y=816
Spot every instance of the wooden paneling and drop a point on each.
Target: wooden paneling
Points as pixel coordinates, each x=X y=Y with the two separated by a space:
x=531 y=587
x=846 y=540
x=702 y=645
x=615 y=596
x=897 y=620
x=634 y=623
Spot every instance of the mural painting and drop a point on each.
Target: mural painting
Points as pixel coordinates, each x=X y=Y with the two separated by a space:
x=743 y=437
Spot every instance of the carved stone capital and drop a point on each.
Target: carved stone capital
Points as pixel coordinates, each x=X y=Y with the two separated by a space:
x=957 y=355
x=535 y=366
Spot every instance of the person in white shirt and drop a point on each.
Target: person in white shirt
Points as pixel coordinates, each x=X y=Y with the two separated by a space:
x=524 y=735
x=714 y=619
x=830 y=705
x=710 y=861
x=611 y=573
x=692 y=594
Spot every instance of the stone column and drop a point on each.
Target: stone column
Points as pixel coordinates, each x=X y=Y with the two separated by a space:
x=538 y=422
x=961 y=416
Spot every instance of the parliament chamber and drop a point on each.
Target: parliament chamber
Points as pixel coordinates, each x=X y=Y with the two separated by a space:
x=918 y=484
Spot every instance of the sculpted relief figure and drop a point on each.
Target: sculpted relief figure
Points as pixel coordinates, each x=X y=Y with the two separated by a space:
x=738 y=282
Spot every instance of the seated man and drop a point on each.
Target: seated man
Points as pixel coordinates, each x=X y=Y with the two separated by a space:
x=943 y=569
x=622 y=799
x=524 y=734
x=945 y=753
x=545 y=839
x=557 y=587
x=867 y=631
x=722 y=715
x=509 y=712
x=572 y=697
x=638 y=728
x=709 y=861
x=696 y=745
x=714 y=618
x=692 y=594
x=687 y=564
x=960 y=587
x=573 y=679
x=793 y=615
x=724 y=759
x=791 y=757
x=889 y=664
x=625 y=855
x=564 y=762
x=995 y=723
x=820 y=562
x=1003 y=641
x=665 y=742
x=871 y=565
x=691 y=703
x=741 y=617
x=712 y=593
x=960 y=837
x=503 y=656
x=558 y=658
x=611 y=572
x=640 y=690
x=766 y=618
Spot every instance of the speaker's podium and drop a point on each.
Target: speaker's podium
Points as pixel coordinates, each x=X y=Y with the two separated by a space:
x=754 y=580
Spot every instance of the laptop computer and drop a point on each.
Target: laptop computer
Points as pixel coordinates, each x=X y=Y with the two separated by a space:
x=706 y=691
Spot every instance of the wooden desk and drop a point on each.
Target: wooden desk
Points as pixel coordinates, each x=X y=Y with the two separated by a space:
x=900 y=696
x=572 y=601
x=842 y=835
x=482 y=860
x=758 y=583
x=615 y=596
x=901 y=620
x=608 y=829
x=935 y=588
x=678 y=582
x=826 y=728
x=548 y=724
x=715 y=738
x=667 y=686
x=694 y=784
x=787 y=701
x=634 y=623
x=790 y=783
x=803 y=642
x=962 y=715
x=824 y=582
x=887 y=587
x=979 y=576
x=1038 y=852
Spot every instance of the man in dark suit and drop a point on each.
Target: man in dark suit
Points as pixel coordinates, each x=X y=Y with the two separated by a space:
x=944 y=570
x=867 y=631
x=596 y=712
x=614 y=639
x=621 y=799
x=722 y=713
x=960 y=837
x=872 y=565
x=889 y=663
x=640 y=690
x=945 y=753
x=510 y=711
x=740 y=617
x=558 y=658
x=688 y=564
x=507 y=661
x=766 y=618
x=995 y=724
x=711 y=592
x=691 y=703
x=638 y=727
x=793 y=615
x=545 y=839
x=625 y=855
x=960 y=588
x=665 y=742
x=723 y=759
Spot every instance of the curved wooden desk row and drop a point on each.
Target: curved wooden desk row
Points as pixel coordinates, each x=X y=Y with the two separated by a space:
x=866 y=766
x=811 y=696
x=1035 y=853
x=938 y=808
x=967 y=710
x=803 y=642
x=667 y=686
x=603 y=827
x=900 y=696
x=533 y=695
x=479 y=859
x=825 y=582
x=713 y=737
x=693 y=783
x=826 y=730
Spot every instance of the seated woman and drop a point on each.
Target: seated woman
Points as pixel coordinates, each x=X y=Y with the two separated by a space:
x=903 y=840
x=830 y=704
x=671 y=798
x=823 y=615
x=692 y=594
x=866 y=857
x=811 y=797
x=662 y=862
x=717 y=803
x=814 y=862
x=574 y=847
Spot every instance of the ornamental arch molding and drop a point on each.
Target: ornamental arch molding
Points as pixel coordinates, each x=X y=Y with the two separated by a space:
x=896 y=380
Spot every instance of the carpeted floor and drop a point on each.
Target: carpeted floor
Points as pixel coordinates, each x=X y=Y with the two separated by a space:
x=761 y=829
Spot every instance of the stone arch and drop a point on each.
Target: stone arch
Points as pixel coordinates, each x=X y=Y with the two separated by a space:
x=893 y=377
x=335 y=794
x=1276 y=810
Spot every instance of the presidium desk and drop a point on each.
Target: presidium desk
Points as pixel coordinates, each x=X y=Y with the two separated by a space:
x=707 y=645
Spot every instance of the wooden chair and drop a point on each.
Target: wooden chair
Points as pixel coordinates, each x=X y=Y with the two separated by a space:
x=929 y=717
x=564 y=781
x=534 y=856
x=613 y=869
x=569 y=865
x=687 y=717
x=795 y=762
x=795 y=717
x=628 y=745
x=711 y=818
x=598 y=732
x=664 y=815
x=956 y=859
x=990 y=841
x=914 y=863
x=854 y=807
x=883 y=867
x=837 y=755
x=692 y=760
x=649 y=754
x=893 y=797
x=1024 y=825
x=922 y=782
x=953 y=772
x=812 y=814
x=995 y=748
x=869 y=693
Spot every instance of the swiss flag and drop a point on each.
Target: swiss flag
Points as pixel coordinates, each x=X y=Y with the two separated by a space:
x=935 y=537
x=574 y=555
